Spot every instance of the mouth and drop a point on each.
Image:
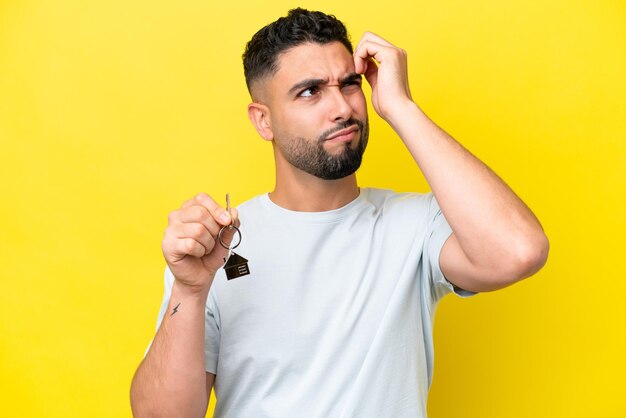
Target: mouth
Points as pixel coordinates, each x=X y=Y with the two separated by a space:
x=343 y=135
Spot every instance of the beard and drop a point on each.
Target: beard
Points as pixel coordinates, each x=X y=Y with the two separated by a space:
x=312 y=157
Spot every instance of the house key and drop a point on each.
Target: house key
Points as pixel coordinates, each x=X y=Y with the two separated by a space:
x=236 y=266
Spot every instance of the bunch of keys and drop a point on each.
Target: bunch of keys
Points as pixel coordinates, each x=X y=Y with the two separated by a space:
x=236 y=266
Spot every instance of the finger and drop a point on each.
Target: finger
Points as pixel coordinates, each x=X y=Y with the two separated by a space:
x=365 y=52
x=371 y=73
x=235 y=215
x=188 y=202
x=195 y=214
x=219 y=213
x=227 y=234
x=180 y=248
x=372 y=37
x=196 y=231
x=372 y=49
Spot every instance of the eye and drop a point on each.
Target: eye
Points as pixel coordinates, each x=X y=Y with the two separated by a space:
x=353 y=84
x=308 y=92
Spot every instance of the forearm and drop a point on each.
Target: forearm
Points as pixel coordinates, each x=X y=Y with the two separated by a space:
x=171 y=380
x=494 y=227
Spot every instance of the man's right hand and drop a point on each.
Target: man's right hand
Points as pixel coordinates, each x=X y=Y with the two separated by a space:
x=171 y=380
x=190 y=245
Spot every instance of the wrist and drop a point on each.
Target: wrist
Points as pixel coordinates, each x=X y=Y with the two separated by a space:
x=406 y=119
x=403 y=112
x=193 y=292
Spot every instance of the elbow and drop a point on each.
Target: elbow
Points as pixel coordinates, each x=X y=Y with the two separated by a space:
x=148 y=400
x=532 y=256
x=141 y=404
x=137 y=405
x=523 y=263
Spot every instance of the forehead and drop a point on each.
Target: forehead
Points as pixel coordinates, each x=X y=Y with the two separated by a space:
x=330 y=61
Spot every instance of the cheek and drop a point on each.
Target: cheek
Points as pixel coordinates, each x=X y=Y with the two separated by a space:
x=295 y=123
x=359 y=104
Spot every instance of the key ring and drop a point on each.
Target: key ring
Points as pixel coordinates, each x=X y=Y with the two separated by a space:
x=219 y=237
x=231 y=226
x=236 y=265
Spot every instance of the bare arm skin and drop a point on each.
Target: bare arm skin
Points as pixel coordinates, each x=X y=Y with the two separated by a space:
x=496 y=238
x=171 y=381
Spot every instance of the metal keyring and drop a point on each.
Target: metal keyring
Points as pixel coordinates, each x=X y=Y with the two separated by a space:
x=219 y=237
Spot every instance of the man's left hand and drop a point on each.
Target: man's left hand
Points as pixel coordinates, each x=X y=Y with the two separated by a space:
x=388 y=79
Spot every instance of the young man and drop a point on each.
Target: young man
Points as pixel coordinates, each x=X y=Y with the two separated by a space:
x=335 y=317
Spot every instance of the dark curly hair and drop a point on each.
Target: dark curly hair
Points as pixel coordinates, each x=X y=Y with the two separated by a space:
x=298 y=27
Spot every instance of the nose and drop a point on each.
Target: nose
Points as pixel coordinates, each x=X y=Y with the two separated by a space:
x=339 y=107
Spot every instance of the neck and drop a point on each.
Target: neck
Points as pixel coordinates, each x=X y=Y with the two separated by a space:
x=300 y=191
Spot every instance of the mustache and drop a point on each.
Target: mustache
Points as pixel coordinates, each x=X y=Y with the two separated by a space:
x=342 y=125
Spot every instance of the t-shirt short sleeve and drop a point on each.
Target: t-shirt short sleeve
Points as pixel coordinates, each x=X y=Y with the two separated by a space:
x=437 y=234
x=211 y=334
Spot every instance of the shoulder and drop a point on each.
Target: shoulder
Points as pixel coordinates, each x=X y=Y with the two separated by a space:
x=251 y=206
x=390 y=200
x=252 y=202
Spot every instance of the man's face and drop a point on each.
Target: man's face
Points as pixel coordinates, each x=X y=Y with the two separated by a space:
x=318 y=111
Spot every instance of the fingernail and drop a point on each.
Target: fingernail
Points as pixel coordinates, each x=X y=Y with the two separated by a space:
x=225 y=217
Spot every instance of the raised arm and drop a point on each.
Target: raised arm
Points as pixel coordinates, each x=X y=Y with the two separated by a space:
x=496 y=238
x=171 y=380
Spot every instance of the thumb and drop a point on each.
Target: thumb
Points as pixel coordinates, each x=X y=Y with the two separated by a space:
x=228 y=237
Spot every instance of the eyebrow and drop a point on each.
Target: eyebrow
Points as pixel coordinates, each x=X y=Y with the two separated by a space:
x=310 y=82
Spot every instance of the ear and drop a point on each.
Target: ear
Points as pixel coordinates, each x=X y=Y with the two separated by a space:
x=259 y=115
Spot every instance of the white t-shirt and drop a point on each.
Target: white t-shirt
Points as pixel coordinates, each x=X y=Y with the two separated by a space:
x=335 y=318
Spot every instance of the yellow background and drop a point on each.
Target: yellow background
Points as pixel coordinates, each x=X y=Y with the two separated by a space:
x=114 y=112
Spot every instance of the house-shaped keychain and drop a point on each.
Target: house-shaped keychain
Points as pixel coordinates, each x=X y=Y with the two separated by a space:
x=236 y=266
